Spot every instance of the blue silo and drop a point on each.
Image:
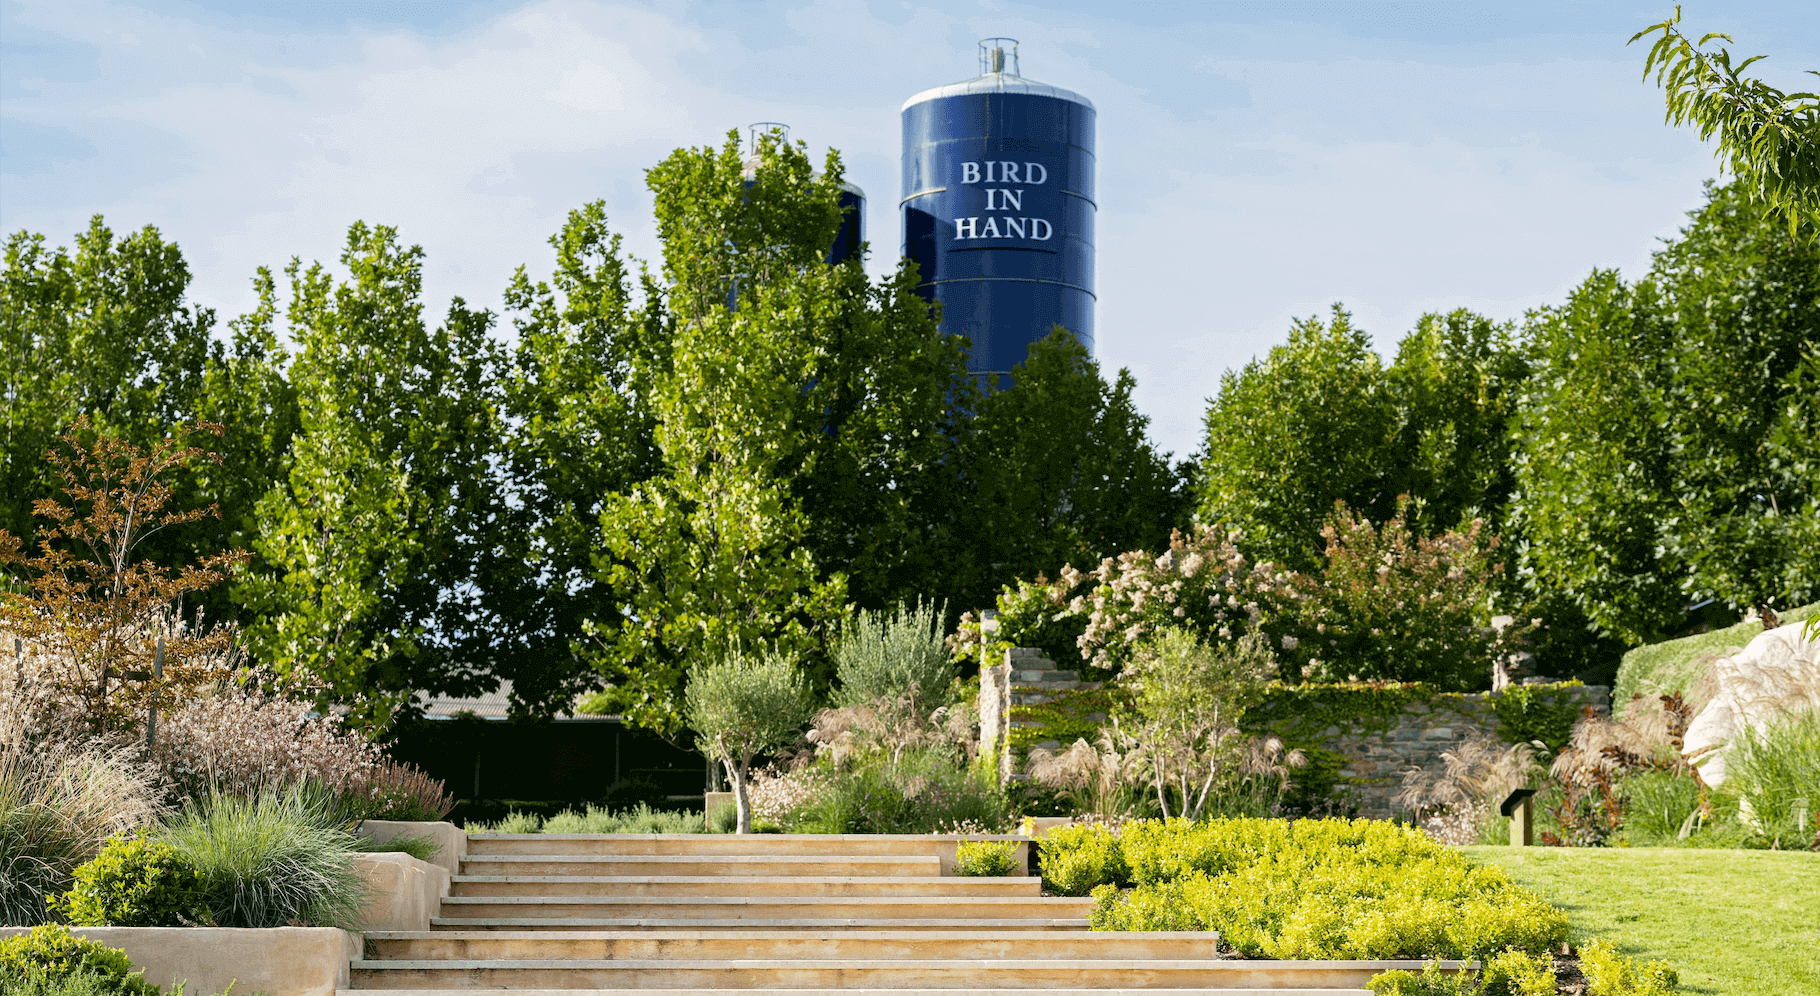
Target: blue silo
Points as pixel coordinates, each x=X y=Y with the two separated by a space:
x=998 y=202
x=852 y=199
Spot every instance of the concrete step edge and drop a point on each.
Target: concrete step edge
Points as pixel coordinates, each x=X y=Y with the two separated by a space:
x=1007 y=991
x=1002 y=881
x=1102 y=936
x=830 y=923
x=1236 y=965
x=959 y=901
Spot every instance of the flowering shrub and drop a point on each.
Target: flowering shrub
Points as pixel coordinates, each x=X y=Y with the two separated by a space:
x=1390 y=605
x=391 y=790
x=1387 y=605
x=243 y=741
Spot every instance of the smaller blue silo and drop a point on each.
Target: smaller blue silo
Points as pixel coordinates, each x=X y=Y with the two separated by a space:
x=998 y=208
x=852 y=232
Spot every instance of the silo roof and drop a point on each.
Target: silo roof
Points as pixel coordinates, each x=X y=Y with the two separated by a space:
x=997 y=83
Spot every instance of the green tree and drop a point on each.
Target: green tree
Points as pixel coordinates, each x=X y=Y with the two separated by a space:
x=1456 y=380
x=1738 y=403
x=1770 y=140
x=364 y=591
x=1663 y=444
x=712 y=553
x=1057 y=469
x=107 y=332
x=741 y=705
x=1315 y=421
x=578 y=430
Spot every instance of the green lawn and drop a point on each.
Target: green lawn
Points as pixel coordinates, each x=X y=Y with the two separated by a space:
x=1733 y=923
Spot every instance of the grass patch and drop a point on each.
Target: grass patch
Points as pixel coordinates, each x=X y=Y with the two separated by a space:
x=1677 y=665
x=1732 y=923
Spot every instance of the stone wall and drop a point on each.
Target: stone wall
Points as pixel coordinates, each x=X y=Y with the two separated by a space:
x=1375 y=752
x=1025 y=678
x=1377 y=759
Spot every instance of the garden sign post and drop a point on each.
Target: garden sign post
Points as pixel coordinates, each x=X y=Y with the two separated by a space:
x=1522 y=812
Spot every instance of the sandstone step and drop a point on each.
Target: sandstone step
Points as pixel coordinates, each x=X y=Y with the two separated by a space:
x=871 y=973
x=719 y=844
x=960 y=991
x=774 y=944
x=711 y=885
x=732 y=866
x=468 y=924
x=765 y=907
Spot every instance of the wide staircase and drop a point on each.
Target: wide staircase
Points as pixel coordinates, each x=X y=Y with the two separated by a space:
x=650 y=913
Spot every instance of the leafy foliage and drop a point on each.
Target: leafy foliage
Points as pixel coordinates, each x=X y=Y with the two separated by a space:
x=1325 y=889
x=1768 y=139
x=1080 y=857
x=1665 y=442
x=1609 y=973
x=1186 y=702
x=135 y=882
x=985 y=858
x=100 y=610
x=894 y=662
x=50 y=953
x=1390 y=605
x=368 y=542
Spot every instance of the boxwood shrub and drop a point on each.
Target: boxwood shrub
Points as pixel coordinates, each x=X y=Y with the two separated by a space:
x=135 y=882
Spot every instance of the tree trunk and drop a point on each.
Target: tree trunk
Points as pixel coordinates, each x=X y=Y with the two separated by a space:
x=741 y=804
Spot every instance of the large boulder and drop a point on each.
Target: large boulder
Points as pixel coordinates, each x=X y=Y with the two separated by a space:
x=1777 y=673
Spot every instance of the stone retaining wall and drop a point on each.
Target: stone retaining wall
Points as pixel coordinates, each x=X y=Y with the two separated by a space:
x=1375 y=758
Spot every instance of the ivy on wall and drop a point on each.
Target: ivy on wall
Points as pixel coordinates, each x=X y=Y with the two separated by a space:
x=1073 y=715
x=1537 y=713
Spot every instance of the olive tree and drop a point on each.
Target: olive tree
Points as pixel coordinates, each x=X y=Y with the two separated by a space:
x=742 y=704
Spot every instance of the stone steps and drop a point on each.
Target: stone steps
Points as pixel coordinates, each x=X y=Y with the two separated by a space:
x=768 y=907
x=722 y=845
x=783 y=914
x=869 y=973
x=748 y=866
x=720 y=885
x=1046 y=924
x=801 y=943
x=965 y=991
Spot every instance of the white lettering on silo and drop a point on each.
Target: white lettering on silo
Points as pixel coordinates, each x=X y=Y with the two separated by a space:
x=991 y=229
x=1010 y=200
x=1007 y=173
x=1036 y=173
x=970 y=172
x=1046 y=230
x=966 y=228
x=1014 y=226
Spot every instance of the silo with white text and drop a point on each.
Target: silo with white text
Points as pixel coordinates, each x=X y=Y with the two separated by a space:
x=998 y=208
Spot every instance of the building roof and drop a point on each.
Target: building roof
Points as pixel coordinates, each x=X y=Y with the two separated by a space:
x=496 y=704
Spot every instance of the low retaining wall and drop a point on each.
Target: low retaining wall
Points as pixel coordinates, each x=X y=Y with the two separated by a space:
x=405 y=892
x=1361 y=738
x=279 y=961
x=451 y=841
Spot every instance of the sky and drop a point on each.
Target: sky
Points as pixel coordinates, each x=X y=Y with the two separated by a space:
x=1258 y=161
